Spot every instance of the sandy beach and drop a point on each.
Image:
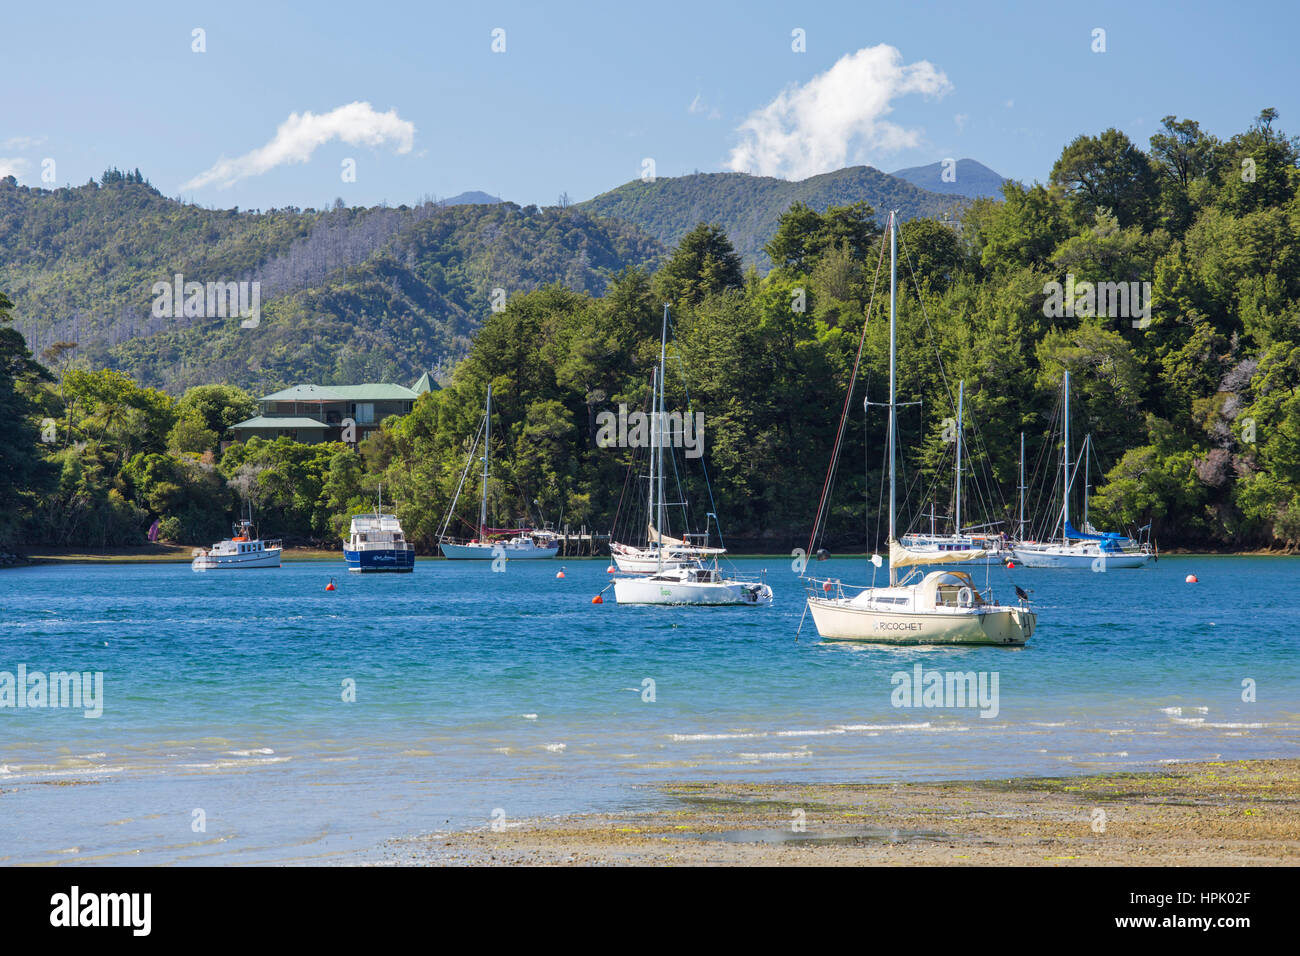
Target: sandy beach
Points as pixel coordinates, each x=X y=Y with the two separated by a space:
x=1238 y=813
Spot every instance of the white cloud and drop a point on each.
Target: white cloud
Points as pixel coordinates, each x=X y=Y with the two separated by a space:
x=12 y=166
x=298 y=137
x=700 y=108
x=836 y=117
x=22 y=142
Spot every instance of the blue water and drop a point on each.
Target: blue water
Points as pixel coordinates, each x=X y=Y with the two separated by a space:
x=477 y=691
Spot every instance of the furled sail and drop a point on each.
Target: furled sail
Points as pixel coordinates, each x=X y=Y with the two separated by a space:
x=664 y=539
x=901 y=557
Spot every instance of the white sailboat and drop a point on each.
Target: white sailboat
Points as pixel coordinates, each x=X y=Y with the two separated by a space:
x=698 y=580
x=1089 y=549
x=943 y=607
x=953 y=548
x=662 y=552
x=514 y=544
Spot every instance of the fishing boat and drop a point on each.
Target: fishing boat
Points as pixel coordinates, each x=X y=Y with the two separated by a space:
x=959 y=547
x=513 y=544
x=943 y=606
x=375 y=543
x=1091 y=549
x=697 y=578
x=243 y=549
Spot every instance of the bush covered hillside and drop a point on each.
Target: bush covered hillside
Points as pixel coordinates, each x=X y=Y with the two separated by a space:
x=748 y=207
x=347 y=293
x=1190 y=397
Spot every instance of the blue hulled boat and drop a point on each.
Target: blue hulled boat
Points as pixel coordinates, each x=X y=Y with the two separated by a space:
x=375 y=543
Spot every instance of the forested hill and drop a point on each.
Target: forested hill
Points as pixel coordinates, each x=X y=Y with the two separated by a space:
x=748 y=207
x=347 y=294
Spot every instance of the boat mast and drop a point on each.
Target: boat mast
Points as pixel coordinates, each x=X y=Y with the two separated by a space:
x=961 y=394
x=893 y=416
x=1065 y=462
x=659 y=415
x=1087 y=458
x=650 y=505
x=487 y=442
x=1021 y=534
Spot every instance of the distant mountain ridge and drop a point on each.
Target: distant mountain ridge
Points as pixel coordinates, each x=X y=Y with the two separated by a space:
x=748 y=207
x=474 y=197
x=348 y=294
x=968 y=178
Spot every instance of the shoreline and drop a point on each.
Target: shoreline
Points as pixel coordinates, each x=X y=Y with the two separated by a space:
x=177 y=554
x=1217 y=813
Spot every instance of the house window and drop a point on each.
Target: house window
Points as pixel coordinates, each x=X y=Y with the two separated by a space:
x=365 y=413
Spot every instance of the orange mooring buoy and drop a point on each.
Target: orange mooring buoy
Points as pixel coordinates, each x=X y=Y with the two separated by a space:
x=1191 y=579
x=560 y=573
x=330 y=586
x=598 y=600
x=611 y=569
x=1011 y=564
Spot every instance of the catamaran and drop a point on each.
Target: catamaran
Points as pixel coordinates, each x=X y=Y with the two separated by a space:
x=943 y=607
x=958 y=546
x=681 y=574
x=241 y=550
x=1098 y=551
x=514 y=544
x=375 y=542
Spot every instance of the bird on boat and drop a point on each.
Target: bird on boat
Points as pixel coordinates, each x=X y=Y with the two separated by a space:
x=1020 y=593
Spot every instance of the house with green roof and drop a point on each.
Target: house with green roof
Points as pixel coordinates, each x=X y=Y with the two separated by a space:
x=317 y=413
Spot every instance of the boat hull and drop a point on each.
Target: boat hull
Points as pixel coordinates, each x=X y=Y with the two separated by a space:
x=485 y=552
x=1083 y=560
x=648 y=591
x=841 y=620
x=380 y=561
x=651 y=565
x=269 y=558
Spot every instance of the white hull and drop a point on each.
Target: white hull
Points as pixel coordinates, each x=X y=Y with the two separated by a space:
x=630 y=565
x=1080 y=557
x=652 y=591
x=839 y=619
x=942 y=550
x=270 y=558
x=486 y=552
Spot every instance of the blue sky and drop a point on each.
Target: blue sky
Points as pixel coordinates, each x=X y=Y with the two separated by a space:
x=584 y=93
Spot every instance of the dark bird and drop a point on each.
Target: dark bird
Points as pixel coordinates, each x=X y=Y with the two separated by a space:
x=1020 y=593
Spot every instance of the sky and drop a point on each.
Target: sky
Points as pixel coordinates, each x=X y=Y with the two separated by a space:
x=254 y=105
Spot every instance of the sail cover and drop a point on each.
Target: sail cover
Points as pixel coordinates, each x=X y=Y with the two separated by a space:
x=1110 y=540
x=901 y=557
x=664 y=539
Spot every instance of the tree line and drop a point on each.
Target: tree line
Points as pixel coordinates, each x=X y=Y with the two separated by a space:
x=1192 y=406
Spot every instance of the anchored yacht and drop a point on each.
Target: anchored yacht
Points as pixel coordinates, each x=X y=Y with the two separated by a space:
x=944 y=607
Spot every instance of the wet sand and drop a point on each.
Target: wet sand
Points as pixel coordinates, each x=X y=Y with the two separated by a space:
x=1240 y=813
